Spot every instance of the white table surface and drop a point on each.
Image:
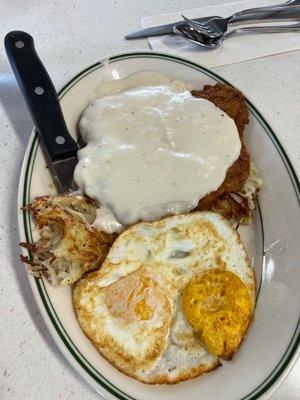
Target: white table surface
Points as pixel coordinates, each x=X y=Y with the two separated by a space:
x=69 y=36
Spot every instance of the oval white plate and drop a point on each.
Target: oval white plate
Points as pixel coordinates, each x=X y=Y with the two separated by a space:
x=272 y=243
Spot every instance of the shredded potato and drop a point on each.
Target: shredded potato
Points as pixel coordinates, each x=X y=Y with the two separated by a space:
x=68 y=245
x=239 y=206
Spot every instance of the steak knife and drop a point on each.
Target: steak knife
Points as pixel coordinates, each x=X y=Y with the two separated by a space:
x=43 y=103
x=160 y=30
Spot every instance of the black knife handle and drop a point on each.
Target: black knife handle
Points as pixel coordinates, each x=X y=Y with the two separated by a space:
x=40 y=96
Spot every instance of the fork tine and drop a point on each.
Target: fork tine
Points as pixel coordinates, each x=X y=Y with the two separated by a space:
x=192 y=21
x=201 y=27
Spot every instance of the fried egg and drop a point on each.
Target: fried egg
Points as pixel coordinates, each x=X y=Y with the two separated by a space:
x=168 y=296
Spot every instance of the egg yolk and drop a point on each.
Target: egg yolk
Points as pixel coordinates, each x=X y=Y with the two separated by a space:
x=138 y=299
x=143 y=310
x=131 y=298
x=218 y=305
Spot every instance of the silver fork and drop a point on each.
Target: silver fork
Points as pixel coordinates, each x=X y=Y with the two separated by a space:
x=211 y=42
x=218 y=26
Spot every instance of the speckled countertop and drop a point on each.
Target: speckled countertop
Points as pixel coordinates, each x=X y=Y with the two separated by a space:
x=69 y=36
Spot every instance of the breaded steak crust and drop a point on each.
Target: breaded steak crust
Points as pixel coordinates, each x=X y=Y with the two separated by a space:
x=232 y=102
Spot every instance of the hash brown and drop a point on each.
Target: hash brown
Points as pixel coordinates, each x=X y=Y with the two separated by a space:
x=68 y=246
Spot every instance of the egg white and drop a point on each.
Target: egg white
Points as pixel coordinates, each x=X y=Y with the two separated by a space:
x=170 y=252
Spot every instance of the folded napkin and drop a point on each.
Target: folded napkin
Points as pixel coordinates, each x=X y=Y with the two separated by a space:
x=234 y=49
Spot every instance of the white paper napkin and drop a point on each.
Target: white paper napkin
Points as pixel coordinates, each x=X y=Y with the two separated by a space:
x=233 y=50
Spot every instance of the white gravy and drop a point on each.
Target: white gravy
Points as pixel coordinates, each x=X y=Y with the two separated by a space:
x=152 y=151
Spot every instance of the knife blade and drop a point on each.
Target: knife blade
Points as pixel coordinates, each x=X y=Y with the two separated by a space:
x=161 y=30
x=43 y=104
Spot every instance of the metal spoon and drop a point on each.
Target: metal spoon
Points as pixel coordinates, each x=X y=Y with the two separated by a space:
x=198 y=37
